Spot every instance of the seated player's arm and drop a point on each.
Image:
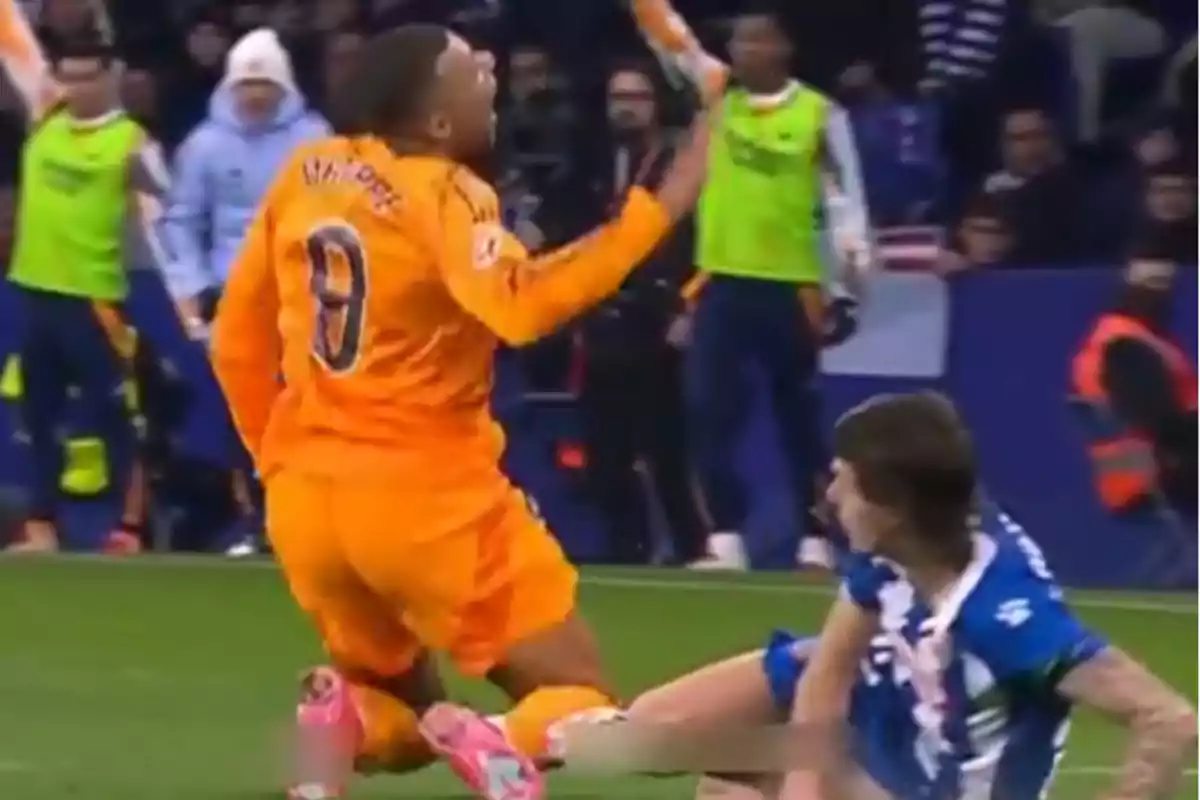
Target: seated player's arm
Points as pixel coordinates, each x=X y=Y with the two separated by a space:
x=1038 y=643
x=246 y=347
x=520 y=298
x=1161 y=723
x=822 y=699
x=25 y=63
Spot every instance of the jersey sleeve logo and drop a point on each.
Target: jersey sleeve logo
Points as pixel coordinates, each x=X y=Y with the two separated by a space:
x=486 y=246
x=1014 y=613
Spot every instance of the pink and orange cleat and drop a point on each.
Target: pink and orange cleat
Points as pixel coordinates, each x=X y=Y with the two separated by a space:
x=479 y=754
x=328 y=732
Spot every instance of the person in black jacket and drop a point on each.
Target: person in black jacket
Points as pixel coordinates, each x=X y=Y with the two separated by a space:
x=631 y=388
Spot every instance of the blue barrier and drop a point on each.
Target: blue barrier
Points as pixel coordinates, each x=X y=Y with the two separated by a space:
x=1011 y=335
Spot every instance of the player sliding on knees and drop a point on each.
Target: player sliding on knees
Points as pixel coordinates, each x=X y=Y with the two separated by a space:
x=950 y=655
x=377 y=281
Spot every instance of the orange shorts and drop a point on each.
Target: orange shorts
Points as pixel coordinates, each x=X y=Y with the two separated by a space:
x=386 y=572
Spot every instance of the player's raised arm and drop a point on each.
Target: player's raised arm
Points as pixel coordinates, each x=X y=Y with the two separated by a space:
x=24 y=61
x=246 y=348
x=678 y=50
x=1161 y=723
x=522 y=299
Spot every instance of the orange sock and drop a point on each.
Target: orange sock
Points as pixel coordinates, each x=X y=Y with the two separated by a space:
x=391 y=739
x=529 y=721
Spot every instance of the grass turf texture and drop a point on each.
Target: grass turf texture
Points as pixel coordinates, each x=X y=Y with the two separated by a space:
x=171 y=678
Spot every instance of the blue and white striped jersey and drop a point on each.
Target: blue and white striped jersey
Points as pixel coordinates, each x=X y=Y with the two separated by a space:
x=978 y=669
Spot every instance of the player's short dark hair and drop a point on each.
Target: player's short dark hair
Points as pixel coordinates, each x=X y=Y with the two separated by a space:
x=391 y=80
x=912 y=454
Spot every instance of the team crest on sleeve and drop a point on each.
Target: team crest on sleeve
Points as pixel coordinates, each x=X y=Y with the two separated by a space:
x=486 y=245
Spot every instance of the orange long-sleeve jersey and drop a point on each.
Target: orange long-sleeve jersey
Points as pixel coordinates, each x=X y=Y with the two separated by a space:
x=25 y=63
x=358 y=327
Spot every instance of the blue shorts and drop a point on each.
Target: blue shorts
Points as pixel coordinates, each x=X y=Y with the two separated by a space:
x=880 y=721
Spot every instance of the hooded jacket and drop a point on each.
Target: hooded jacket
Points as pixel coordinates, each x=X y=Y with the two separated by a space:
x=226 y=165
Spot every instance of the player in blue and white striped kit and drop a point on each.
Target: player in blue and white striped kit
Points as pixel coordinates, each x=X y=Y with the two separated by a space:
x=950 y=651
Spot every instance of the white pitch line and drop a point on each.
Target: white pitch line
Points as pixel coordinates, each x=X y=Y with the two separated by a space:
x=586 y=578
x=809 y=589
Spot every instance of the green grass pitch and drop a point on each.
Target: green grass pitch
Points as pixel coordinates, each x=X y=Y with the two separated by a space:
x=169 y=679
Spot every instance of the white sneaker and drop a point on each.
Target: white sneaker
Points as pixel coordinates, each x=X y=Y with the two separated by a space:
x=243 y=548
x=726 y=552
x=815 y=551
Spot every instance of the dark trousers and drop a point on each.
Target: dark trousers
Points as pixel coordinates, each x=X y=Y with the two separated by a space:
x=248 y=492
x=738 y=323
x=73 y=343
x=632 y=409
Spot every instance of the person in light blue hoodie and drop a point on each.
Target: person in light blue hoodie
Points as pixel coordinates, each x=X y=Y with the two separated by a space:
x=256 y=118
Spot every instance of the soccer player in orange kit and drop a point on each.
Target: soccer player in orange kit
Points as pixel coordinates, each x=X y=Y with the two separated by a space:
x=354 y=344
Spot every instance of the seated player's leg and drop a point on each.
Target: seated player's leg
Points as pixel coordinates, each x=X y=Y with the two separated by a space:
x=753 y=689
x=359 y=712
x=736 y=690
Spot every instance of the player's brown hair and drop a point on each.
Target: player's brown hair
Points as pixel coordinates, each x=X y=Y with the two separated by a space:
x=390 y=81
x=912 y=454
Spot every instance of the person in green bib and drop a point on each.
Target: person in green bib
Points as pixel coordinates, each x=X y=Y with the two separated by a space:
x=783 y=181
x=89 y=176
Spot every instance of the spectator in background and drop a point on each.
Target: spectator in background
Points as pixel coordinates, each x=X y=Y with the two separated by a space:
x=983 y=238
x=898 y=144
x=631 y=389
x=537 y=122
x=248 y=15
x=206 y=42
x=257 y=117
x=330 y=16
x=961 y=40
x=339 y=54
x=1140 y=386
x=1040 y=190
x=139 y=96
x=1170 y=210
x=1118 y=203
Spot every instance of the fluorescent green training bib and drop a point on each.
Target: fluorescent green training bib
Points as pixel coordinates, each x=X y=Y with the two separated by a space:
x=758 y=213
x=71 y=214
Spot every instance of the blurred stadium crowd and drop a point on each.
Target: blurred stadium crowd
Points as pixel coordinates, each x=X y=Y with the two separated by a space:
x=994 y=134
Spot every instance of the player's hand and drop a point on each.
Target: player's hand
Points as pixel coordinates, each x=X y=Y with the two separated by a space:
x=678 y=50
x=685 y=177
x=191 y=318
x=841 y=321
x=679 y=332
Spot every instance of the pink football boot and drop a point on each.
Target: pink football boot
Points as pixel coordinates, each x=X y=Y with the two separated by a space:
x=480 y=755
x=328 y=733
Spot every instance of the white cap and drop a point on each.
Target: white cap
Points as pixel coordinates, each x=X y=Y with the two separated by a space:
x=259 y=56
